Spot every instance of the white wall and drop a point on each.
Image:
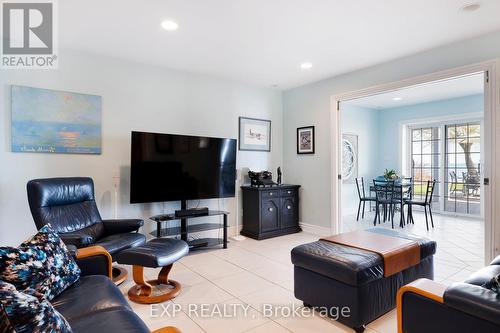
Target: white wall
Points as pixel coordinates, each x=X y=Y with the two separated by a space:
x=134 y=97
x=310 y=105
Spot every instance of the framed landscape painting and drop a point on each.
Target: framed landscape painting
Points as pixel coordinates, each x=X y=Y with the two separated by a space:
x=255 y=134
x=50 y=121
x=305 y=140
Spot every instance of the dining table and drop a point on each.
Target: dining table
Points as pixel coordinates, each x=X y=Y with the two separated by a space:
x=401 y=185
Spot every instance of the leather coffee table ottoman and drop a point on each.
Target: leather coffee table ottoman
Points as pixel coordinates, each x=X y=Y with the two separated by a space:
x=334 y=276
x=159 y=252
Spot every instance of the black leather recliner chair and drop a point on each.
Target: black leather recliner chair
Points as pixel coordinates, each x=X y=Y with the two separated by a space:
x=68 y=204
x=430 y=307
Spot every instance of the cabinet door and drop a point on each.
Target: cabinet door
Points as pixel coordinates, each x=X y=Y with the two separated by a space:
x=289 y=217
x=270 y=215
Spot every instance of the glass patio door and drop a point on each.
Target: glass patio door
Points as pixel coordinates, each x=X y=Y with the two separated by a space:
x=463 y=168
x=425 y=162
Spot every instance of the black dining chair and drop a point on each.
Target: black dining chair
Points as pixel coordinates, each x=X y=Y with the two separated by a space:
x=385 y=197
x=427 y=203
x=362 y=196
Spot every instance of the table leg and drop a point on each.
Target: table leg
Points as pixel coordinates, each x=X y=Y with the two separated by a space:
x=158 y=229
x=184 y=235
x=224 y=244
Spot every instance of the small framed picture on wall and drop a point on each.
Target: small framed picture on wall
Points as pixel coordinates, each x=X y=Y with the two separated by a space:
x=305 y=140
x=255 y=134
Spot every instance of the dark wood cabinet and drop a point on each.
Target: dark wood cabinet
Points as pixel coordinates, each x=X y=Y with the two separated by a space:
x=270 y=211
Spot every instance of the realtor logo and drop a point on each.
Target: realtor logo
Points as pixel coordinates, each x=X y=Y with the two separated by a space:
x=28 y=34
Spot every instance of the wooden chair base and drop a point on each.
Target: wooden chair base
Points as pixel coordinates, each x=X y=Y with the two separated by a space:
x=120 y=274
x=142 y=292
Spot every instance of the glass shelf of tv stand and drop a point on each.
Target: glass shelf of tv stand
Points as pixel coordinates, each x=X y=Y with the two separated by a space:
x=185 y=228
x=172 y=231
x=172 y=217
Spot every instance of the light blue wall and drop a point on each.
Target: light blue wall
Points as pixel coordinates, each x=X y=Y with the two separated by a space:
x=390 y=121
x=365 y=124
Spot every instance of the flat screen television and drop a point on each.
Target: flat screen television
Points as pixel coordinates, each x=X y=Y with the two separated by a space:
x=171 y=167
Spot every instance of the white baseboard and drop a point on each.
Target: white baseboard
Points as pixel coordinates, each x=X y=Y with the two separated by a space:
x=315 y=229
x=232 y=231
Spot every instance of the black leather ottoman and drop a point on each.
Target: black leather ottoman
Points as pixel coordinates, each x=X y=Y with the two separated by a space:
x=159 y=252
x=333 y=276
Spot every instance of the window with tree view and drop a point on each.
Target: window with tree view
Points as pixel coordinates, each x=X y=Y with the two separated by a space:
x=463 y=168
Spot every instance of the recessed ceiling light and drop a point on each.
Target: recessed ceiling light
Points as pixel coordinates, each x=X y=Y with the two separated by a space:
x=169 y=25
x=306 y=65
x=397 y=98
x=471 y=7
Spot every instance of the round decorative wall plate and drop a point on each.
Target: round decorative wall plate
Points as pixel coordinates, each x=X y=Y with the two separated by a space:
x=348 y=159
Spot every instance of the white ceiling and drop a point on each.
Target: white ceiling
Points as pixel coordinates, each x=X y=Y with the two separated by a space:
x=434 y=91
x=263 y=42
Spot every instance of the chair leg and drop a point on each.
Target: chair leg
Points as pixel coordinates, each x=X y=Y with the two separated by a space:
x=363 y=215
x=402 y=216
x=359 y=207
x=410 y=214
x=376 y=214
x=378 y=207
x=432 y=219
x=392 y=216
x=426 y=218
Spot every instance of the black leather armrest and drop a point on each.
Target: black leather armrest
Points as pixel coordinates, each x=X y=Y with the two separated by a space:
x=120 y=226
x=77 y=238
x=474 y=300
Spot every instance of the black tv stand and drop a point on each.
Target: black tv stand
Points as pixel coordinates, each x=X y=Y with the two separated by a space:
x=190 y=212
x=184 y=229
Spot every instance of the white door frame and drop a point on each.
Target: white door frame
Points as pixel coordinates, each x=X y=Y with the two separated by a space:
x=492 y=122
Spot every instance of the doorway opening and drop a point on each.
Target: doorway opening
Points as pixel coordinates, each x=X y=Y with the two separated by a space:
x=429 y=142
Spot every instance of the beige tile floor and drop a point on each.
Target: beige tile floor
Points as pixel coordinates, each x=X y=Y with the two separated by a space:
x=251 y=273
x=460 y=241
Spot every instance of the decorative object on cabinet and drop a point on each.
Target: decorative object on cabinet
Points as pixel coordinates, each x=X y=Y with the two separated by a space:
x=305 y=140
x=349 y=158
x=254 y=134
x=263 y=178
x=279 y=176
x=270 y=211
x=50 y=121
